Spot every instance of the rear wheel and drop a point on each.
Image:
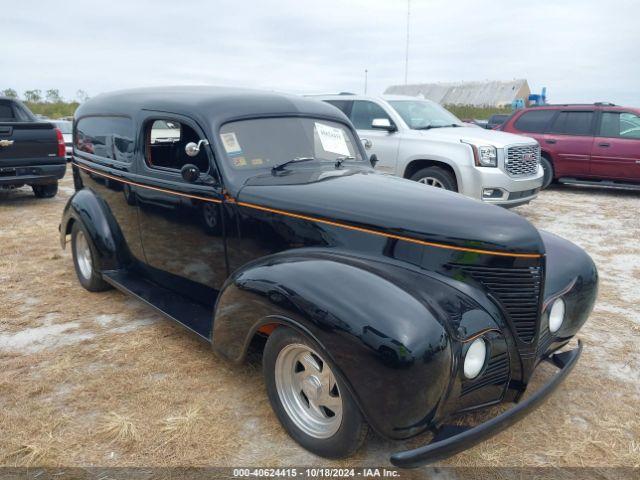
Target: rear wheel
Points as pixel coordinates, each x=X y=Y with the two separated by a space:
x=84 y=260
x=310 y=400
x=436 y=177
x=547 y=167
x=45 y=191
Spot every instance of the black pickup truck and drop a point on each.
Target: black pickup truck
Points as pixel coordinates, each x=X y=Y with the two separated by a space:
x=32 y=152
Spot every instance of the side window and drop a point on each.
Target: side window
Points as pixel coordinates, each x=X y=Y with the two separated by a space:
x=573 y=123
x=164 y=146
x=107 y=137
x=345 y=105
x=363 y=113
x=616 y=124
x=534 y=121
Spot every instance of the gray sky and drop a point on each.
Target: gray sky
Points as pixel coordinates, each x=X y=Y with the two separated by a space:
x=581 y=50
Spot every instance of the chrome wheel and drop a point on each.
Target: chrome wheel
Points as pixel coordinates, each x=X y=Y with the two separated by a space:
x=433 y=182
x=308 y=391
x=83 y=255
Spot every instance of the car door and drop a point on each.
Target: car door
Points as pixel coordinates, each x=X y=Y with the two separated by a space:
x=616 y=149
x=180 y=222
x=570 y=139
x=384 y=144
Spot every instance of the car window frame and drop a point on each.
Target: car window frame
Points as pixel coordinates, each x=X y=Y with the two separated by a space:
x=592 y=126
x=617 y=137
x=165 y=173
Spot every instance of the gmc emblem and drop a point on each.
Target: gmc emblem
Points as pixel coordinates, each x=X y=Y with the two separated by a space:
x=528 y=157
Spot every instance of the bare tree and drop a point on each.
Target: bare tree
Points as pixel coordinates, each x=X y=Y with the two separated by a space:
x=34 y=96
x=53 y=96
x=10 y=93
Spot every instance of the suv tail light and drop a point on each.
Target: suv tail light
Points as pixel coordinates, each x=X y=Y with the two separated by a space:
x=61 y=147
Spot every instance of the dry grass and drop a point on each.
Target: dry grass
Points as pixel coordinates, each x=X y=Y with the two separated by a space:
x=114 y=384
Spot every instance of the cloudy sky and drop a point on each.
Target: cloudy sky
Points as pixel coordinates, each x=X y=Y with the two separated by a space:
x=581 y=50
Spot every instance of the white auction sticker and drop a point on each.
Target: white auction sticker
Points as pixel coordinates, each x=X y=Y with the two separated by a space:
x=230 y=142
x=332 y=139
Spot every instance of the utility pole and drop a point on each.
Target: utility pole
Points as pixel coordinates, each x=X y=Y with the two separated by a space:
x=406 y=56
x=365 y=80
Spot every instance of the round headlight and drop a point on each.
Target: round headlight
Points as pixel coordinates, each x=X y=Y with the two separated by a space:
x=475 y=357
x=556 y=315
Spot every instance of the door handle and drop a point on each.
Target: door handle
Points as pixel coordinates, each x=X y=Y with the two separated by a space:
x=6 y=143
x=551 y=141
x=604 y=144
x=367 y=143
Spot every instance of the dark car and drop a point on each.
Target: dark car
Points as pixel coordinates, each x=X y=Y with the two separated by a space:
x=593 y=144
x=256 y=221
x=32 y=151
x=496 y=120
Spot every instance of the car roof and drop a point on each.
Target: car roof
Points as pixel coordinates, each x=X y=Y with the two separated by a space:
x=218 y=104
x=353 y=96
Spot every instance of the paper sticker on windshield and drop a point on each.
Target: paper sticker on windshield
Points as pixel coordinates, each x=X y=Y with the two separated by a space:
x=332 y=139
x=230 y=142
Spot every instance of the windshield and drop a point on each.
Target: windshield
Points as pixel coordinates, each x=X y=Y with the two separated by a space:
x=257 y=145
x=420 y=114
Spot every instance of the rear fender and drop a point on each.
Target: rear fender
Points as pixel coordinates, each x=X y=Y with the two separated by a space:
x=94 y=214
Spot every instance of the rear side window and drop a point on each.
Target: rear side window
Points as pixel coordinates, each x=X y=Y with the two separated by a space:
x=107 y=137
x=165 y=142
x=344 y=105
x=6 y=112
x=620 y=124
x=534 y=121
x=573 y=123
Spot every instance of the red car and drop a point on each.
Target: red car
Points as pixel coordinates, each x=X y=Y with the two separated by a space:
x=596 y=144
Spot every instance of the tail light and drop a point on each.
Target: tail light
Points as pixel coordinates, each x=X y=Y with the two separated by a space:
x=61 y=146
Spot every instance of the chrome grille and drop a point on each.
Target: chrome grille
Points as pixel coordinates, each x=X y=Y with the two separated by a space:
x=518 y=291
x=522 y=160
x=496 y=373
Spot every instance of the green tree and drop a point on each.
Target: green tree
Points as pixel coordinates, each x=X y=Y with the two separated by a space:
x=33 y=95
x=10 y=93
x=53 y=96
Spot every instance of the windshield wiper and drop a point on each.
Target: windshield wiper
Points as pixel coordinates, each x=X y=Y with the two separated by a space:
x=341 y=160
x=281 y=166
x=427 y=127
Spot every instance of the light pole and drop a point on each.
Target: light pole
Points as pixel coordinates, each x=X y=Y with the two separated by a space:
x=406 y=55
x=365 y=80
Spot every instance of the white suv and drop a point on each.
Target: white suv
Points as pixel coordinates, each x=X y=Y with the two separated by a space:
x=418 y=139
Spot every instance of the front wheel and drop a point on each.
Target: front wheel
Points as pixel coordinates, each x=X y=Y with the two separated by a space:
x=547 y=168
x=310 y=400
x=45 y=191
x=436 y=177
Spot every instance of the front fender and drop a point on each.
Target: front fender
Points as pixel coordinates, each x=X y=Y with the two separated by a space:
x=94 y=214
x=393 y=347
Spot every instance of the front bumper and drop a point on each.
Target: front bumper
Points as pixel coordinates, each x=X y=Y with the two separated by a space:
x=446 y=444
x=512 y=190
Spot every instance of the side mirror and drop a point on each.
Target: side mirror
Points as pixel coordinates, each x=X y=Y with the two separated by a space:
x=192 y=149
x=190 y=173
x=383 y=124
x=374 y=160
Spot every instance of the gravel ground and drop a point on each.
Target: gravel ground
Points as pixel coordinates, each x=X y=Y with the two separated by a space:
x=102 y=380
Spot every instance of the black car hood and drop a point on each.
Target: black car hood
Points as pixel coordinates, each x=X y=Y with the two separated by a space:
x=395 y=206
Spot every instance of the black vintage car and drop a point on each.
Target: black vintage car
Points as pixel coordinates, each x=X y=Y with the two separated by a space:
x=255 y=220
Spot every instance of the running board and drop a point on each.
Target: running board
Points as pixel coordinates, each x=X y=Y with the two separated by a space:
x=190 y=314
x=600 y=183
